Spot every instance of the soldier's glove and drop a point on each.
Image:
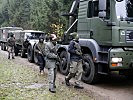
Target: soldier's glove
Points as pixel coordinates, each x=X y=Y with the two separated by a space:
x=39 y=52
x=78 y=53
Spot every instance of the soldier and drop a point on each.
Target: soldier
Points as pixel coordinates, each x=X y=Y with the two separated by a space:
x=40 y=50
x=51 y=57
x=75 y=61
x=11 y=44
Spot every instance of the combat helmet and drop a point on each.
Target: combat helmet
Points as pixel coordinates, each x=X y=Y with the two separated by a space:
x=74 y=36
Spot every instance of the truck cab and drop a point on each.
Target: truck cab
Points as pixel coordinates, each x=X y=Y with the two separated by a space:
x=4 y=35
x=105 y=28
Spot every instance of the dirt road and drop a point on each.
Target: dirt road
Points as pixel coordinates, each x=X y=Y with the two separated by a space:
x=115 y=87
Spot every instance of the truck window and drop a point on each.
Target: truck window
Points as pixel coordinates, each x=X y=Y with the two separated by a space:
x=89 y=12
x=93 y=9
x=108 y=9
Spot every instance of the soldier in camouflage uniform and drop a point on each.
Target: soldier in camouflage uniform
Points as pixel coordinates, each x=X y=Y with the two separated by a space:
x=40 y=50
x=11 y=44
x=75 y=61
x=51 y=57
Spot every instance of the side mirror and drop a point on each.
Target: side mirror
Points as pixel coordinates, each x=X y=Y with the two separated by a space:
x=102 y=8
x=102 y=14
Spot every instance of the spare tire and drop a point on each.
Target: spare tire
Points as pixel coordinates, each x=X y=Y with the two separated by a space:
x=30 y=54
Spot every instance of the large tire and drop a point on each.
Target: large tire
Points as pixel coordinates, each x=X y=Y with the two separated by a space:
x=64 y=66
x=4 y=47
x=90 y=74
x=16 y=51
x=1 y=46
x=35 y=58
x=30 y=54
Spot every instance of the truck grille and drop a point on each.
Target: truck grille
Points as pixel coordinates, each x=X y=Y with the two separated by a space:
x=129 y=36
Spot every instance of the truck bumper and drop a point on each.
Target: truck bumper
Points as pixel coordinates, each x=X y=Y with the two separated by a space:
x=120 y=59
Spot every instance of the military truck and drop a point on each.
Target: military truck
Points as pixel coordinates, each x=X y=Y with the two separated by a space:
x=4 y=34
x=25 y=41
x=105 y=28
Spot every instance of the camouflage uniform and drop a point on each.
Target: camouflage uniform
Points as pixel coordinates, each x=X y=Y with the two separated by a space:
x=75 y=63
x=11 y=44
x=51 y=64
x=40 y=50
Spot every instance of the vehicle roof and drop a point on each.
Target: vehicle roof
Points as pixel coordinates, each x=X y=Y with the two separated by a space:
x=11 y=28
x=32 y=31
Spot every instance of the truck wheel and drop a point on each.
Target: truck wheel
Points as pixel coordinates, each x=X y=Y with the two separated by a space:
x=23 y=53
x=63 y=67
x=35 y=58
x=4 y=47
x=16 y=51
x=1 y=46
x=30 y=54
x=90 y=74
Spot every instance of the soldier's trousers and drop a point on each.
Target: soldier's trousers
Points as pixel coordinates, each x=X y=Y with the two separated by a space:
x=10 y=51
x=76 y=71
x=51 y=72
x=41 y=62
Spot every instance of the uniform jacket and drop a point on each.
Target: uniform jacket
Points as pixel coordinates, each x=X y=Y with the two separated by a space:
x=40 y=47
x=50 y=51
x=72 y=50
x=11 y=41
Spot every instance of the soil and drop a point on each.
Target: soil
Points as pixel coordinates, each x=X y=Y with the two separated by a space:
x=113 y=87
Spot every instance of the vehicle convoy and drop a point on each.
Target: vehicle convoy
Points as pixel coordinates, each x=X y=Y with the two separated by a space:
x=25 y=41
x=4 y=35
x=105 y=28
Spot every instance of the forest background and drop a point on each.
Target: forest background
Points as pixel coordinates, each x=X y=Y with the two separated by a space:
x=43 y=15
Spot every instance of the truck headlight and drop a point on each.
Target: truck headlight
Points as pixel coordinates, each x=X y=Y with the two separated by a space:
x=116 y=60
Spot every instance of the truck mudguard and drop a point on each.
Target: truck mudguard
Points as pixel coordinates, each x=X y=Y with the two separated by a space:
x=92 y=46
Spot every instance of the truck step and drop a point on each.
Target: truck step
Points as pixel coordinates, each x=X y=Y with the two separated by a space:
x=103 y=52
x=102 y=73
x=103 y=62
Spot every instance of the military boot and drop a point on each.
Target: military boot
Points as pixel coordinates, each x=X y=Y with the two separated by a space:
x=52 y=89
x=70 y=75
x=67 y=81
x=78 y=86
x=8 y=57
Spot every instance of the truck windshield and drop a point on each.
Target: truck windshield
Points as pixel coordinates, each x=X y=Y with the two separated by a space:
x=33 y=35
x=124 y=10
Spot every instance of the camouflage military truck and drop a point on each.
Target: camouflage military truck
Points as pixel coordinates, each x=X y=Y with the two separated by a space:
x=4 y=35
x=25 y=41
x=105 y=28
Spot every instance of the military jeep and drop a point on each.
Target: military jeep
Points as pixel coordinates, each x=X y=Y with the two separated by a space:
x=25 y=41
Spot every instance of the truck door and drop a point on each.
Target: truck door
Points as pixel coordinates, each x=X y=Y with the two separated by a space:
x=99 y=29
x=83 y=21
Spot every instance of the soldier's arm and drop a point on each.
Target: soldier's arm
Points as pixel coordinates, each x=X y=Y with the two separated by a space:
x=71 y=48
x=36 y=49
x=43 y=49
x=48 y=53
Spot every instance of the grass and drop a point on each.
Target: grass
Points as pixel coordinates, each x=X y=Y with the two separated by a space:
x=15 y=78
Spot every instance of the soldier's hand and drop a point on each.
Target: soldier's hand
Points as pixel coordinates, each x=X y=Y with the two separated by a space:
x=78 y=53
x=39 y=52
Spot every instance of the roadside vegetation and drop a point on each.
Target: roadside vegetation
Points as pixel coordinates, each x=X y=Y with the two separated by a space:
x=20 y=82
x=43 y=15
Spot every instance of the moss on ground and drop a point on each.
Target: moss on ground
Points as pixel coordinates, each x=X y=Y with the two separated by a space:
x=18 y=82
